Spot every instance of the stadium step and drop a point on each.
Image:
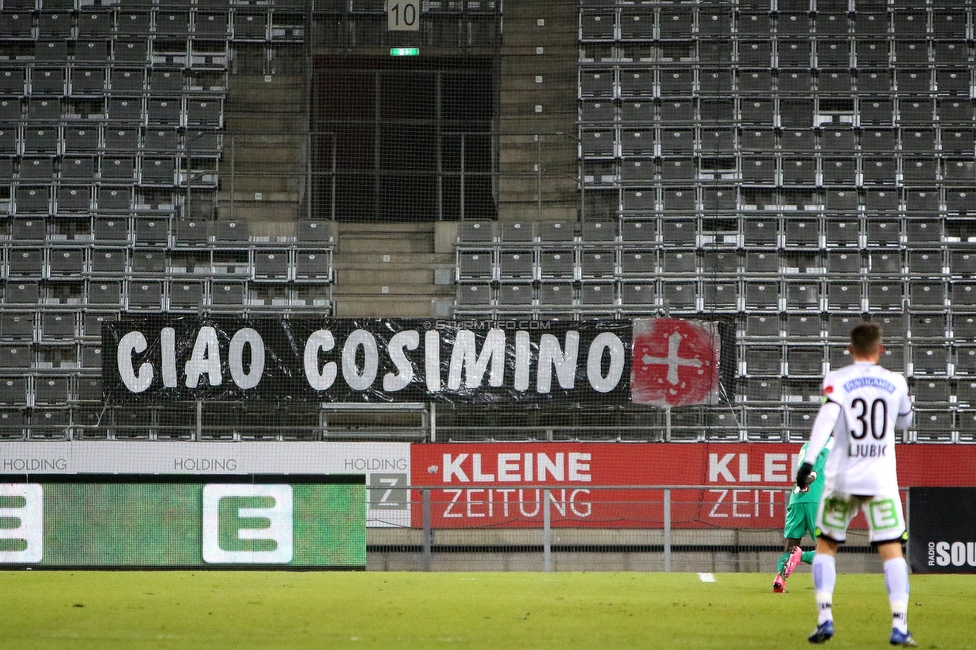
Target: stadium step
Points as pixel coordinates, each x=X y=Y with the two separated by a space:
x=393 y=269
x=263 y=143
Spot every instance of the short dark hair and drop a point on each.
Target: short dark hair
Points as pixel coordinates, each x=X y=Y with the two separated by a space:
x=865 y=339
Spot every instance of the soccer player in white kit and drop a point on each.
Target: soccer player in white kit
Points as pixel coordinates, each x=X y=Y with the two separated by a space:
x=863 y=405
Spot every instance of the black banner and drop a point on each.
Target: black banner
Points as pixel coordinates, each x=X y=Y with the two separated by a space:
x=161 y=357
x=942 y=530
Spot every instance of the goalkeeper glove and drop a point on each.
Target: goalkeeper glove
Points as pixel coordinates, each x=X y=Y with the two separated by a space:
x=803 y=474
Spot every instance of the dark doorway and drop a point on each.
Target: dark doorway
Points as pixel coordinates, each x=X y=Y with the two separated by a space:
x=403 y=140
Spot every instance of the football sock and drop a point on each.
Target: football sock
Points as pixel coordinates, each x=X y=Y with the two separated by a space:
x=782 y=561
x=896 y=582
x=824 y=578
x=807 y=557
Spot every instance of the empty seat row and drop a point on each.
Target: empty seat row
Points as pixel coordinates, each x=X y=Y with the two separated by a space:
x=836 y=325
x=633 y=23
x=748 y=230
x=796 y=361
x=149 y=231
x=50 y=389
x=195 y=55
x=638 y=168
x=660 y=197
x=784 y=112
x=554 y=262
x=73 y=263
x=156 y=295
x=959 y=393
x=650 y=83
x=239 y=24
x=117 y=112
x=733 y=296
x=839 y=143
x=82 y=143
x=81 y=80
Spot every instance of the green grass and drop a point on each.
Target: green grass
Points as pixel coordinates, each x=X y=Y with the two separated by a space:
x=282 y=610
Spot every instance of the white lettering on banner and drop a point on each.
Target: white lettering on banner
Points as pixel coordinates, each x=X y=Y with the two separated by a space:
x=450 y=506
x=579 y=467
x=773 y=468
x=432 y=361
x=246 y=337
x=508 y=467
x=594 y=361
x=716 y=467
x=205 y=359
x=573 y=467
x=356 y=379
x=564 y=363
x=954 y=554
x=554 y=468
x=743 y=503
x=167 y=339
x=487 y=503
x=744 y=475
x=319 y=341
x=523 y=355
x=477 y=474
x=136 y=382
x=470 y=368
x=721 y=497
x=453 y=468
x=410 y=340
x=465 y=358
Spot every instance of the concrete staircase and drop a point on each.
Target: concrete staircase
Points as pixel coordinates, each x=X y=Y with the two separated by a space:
x=401 y=270
x=538 y=161
x=265 y=149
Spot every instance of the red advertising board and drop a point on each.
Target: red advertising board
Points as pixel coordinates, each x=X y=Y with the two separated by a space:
x=483 y=485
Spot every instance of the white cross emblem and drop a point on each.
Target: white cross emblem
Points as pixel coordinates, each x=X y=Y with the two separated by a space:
x=672 y=361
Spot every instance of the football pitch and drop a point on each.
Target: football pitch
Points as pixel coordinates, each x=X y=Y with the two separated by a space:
x=283 y=610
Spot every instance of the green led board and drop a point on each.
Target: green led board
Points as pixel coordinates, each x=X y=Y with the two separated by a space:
x=209 y=522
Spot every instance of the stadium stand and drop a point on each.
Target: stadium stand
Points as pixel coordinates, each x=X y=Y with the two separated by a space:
x=786 y=171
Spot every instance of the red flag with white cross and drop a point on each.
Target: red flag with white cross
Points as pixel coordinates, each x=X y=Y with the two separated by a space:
x=675 y=362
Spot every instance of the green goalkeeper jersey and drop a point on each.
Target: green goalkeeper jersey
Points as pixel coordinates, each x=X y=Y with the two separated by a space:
x=815 y=489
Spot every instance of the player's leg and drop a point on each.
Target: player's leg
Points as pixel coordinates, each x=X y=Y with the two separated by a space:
x=824 y=579
x=787 y=562
x=793 y=531
x=886 y=524
x=834 y=515
x=810 y=523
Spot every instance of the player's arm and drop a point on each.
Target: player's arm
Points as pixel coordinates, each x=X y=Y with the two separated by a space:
x=906 y=411
x=823 y=426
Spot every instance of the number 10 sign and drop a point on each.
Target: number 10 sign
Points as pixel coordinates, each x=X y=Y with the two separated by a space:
x=402 y=15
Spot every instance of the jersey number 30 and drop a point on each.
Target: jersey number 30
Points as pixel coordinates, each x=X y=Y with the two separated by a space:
x=873 y=418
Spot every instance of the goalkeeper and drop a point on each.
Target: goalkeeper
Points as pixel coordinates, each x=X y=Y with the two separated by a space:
x=801 y=519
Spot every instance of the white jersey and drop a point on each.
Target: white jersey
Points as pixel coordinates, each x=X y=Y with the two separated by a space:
x=872 y=402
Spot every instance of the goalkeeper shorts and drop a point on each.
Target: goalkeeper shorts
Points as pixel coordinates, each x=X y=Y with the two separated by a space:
x=886 y=519
x=801 y=518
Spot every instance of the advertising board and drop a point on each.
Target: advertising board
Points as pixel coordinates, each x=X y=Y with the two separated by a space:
x=730 y=485
x=942 y=530
x=155 y=522
x=386 y=465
